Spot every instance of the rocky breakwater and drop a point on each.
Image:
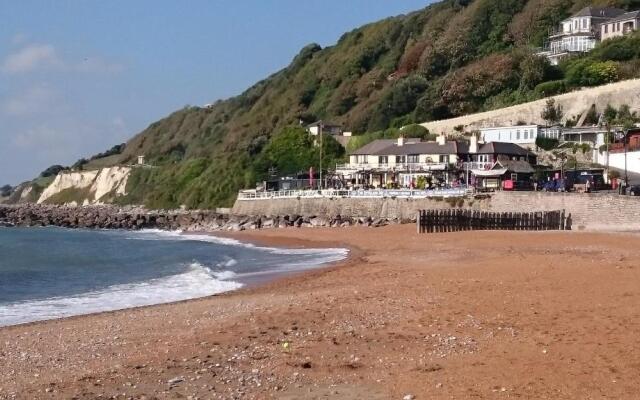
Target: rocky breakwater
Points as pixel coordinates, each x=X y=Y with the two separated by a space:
x=135 y=218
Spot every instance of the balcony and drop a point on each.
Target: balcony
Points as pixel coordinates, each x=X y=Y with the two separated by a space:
x=477 y=165
x=555 y=33
x=403 y=167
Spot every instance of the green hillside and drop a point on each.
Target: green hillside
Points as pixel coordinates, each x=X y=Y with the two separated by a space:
x=451 y=58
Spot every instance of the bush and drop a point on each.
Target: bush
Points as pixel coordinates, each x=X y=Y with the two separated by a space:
x=415 y=131
x=52 y=171
x=547 y=143
x=550 y=88
x=618 y=49
x=6 y=190
x=586 y=72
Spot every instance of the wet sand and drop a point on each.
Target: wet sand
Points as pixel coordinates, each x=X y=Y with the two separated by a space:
x=458 y=315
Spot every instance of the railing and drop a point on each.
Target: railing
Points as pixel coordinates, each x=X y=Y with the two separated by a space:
x=561 y=32
x=471 y=166
x=392 y=167
x=375 y=193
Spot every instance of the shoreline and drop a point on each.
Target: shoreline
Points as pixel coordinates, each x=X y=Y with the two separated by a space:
x=456 y=315
x=248 y=283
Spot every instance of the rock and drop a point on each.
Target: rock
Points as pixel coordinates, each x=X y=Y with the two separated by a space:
x=408 y=397
x=175 y=381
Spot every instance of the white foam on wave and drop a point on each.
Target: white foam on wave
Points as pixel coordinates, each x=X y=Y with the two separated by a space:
x=156 y=234
x=197 y=281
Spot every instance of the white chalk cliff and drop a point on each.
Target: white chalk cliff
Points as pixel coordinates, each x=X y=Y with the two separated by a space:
x=96 y=183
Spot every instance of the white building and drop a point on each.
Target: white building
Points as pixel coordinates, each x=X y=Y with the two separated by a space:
x=524 y=135
x=619 y=26
x=579 y=33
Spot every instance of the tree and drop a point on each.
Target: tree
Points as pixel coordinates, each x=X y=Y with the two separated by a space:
x=52 y=171
x=610 y=114
x=6 y=190
x=533 y=71
x=415 y=131
x=552 y=113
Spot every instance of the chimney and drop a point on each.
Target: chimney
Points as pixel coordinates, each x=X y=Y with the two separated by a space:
x=400 y=141
x=441 y=139
x=473 y=144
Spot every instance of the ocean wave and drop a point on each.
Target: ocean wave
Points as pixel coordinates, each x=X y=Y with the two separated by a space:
x=156 y=234
x=197 y=281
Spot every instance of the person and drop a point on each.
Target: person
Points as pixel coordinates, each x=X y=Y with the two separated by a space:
x=588 y=186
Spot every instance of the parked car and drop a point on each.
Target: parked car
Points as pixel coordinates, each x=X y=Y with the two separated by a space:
x=633 y=190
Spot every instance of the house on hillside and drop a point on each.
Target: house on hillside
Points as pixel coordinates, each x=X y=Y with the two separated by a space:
x=621 y=25
x=579 y=33
x=326 y=128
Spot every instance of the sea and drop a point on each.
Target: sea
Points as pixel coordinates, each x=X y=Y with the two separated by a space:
x=48 y=273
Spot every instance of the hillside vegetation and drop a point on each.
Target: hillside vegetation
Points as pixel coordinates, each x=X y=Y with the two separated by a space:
x=451 y=58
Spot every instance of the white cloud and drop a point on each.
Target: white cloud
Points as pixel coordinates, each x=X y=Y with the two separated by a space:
x=39 y=56
x=30 y=58
x=35 y=100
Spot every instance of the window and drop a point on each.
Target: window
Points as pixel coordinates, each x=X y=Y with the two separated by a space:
x=518 y=134
x=606 y=28
x=400 y=159
x=444 y=158
x=362 y=159
x=384 y=160
x=413 y=159
x=618 y=27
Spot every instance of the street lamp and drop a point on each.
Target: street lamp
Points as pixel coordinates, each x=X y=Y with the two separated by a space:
x=626 y=149
x=321 y=132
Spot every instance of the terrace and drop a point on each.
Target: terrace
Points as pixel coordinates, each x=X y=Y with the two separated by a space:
x=362 y=194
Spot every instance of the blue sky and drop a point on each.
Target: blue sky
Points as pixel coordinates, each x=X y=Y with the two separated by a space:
x=77 y=77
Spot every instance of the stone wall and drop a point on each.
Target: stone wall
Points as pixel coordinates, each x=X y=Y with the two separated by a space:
x=589 y=211
x=397 y=209
x=574 y=103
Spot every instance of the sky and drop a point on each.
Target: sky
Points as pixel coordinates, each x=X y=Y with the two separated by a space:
x=79 y=76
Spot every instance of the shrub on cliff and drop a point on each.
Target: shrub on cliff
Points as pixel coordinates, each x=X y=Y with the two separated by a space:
x=52 y=171
x=546 y=143
x=6 y=190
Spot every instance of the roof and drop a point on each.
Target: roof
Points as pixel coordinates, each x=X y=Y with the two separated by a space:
x=420 y=148
x=323 y=123
x=374 y=147
x=503 y=148
x=599 y=12
x=626 y=16
x=517 y=166
x=388 y=147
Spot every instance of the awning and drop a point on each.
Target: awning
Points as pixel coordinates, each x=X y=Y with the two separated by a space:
x=490 y=173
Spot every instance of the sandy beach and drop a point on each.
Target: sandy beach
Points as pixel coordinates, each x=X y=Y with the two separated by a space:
x=469 y=315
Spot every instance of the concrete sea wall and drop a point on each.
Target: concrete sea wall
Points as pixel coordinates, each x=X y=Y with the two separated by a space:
x=347 y=207
x=574 y=103
x=589 y=211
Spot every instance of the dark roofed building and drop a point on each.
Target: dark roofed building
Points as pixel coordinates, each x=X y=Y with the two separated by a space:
x=621 y=25
x=328 y=128
x=583 y=30
x=400 y=162
x=599 y=12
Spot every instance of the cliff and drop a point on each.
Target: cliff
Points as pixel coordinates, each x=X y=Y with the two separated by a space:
x=86 y=187
x=450 y=59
